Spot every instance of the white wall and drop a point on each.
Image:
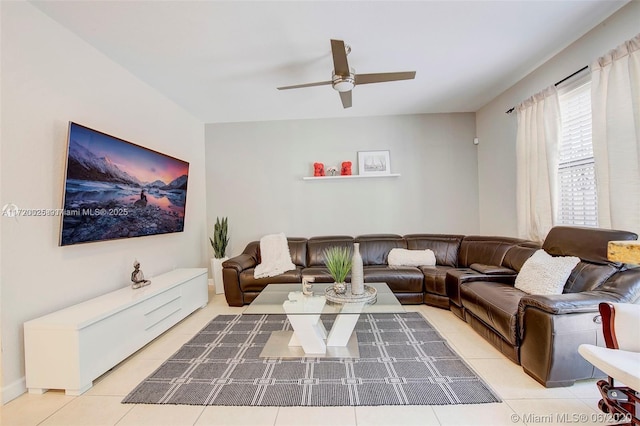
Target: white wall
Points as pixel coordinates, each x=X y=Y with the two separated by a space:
x=255 y=170
x=50 y=76
x=497 y=130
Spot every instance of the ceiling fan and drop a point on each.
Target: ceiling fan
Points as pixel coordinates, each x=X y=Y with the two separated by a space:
x=345 y=79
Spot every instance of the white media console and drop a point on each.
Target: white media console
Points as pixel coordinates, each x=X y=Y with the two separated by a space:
x=70 y=348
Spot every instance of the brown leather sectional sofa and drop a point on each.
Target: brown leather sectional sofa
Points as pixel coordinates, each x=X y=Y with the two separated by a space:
x=474 y=277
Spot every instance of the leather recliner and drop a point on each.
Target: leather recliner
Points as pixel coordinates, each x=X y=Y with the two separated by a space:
x=542 y=333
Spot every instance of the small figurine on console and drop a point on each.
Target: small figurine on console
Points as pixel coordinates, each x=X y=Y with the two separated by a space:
x=318 y=169
x=137 y=277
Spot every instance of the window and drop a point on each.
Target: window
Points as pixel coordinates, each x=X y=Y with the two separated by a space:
x=578 y=203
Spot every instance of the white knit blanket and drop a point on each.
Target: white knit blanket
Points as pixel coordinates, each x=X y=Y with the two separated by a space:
x=275 y=256
x=403 y=257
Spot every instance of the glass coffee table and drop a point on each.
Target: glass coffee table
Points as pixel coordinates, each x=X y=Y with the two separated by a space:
x=309 y=337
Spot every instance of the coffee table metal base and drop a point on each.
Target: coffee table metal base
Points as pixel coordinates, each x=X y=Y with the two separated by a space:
x=278 y=347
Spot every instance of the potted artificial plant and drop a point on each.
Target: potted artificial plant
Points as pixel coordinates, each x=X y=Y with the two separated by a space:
x=338 y=262
x=219 y=244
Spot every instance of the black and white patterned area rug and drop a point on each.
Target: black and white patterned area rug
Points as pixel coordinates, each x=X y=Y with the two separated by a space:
x=403 y=361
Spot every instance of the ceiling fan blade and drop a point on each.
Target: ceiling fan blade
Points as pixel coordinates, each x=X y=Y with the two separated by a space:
x=298 y=86
x=340 y=64
x=345 y=97
x=385 y=76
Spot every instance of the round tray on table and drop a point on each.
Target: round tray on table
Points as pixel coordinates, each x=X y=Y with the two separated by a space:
x=368 y=296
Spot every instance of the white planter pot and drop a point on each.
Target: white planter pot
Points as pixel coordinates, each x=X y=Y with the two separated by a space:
x=216 y=273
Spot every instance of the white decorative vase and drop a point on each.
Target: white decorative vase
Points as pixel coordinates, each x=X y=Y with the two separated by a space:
x=216 y=273
x=357 y=274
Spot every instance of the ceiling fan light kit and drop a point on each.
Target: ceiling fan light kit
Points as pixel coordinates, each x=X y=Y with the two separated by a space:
x=342 y=83
x=344 y=79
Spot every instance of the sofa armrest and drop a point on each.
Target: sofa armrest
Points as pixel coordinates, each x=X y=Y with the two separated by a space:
x=561 y=304
x=552 y=327
x=492 y=269
x=231 y=270
x=622 y=287
x=568 y=303
x=549 y=346
x=240 y=262
x=464 y=275
x=457 y=277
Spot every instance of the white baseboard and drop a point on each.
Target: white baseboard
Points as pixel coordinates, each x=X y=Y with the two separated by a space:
x=13 y=390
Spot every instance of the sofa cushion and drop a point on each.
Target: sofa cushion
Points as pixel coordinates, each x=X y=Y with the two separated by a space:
x=518 y=254
x=495 y=304
x=404 y=257
x=444 y=246
x=588 y=276
x=545 y=274
x=375 y=248
x=320 y=274
x=298 y=250
x=403 y=279
x=249 y=283
x=484 y=250
x=589 y=244
x=317 y=245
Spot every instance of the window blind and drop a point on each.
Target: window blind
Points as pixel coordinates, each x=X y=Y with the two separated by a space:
x=578 y=202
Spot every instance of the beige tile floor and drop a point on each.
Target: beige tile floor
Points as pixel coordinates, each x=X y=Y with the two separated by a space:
x=525 y=402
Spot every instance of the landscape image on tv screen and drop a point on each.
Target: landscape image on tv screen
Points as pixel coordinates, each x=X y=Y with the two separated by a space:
x=116 y=189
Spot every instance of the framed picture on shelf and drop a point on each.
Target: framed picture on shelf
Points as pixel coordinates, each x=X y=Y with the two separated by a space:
x=372 y=163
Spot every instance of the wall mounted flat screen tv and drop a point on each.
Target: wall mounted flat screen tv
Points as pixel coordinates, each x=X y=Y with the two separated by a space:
x=116 y=189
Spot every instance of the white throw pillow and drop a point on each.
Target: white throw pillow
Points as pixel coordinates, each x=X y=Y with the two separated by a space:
x=545 y=274
x=404 y=257
x=275 y=256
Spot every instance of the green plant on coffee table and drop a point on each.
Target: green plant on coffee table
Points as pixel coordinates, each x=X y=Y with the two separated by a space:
x=220 y=238
x=338 y=262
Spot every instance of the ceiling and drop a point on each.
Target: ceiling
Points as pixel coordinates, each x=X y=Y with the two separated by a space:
x=222 y=60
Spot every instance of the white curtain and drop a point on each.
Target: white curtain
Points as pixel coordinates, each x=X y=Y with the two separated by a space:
x=615 y=99
x=539 y=130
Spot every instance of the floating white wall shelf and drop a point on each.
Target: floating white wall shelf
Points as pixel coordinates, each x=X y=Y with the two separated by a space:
x=349 y=177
